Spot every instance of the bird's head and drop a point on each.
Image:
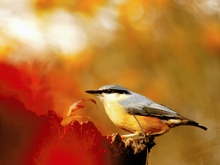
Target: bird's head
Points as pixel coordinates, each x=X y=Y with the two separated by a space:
x=110 y=93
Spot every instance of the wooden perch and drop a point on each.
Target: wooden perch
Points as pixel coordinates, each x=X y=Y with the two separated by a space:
x=119 y=152
x=41 y=139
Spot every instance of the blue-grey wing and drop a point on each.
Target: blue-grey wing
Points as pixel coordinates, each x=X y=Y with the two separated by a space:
x=140 y=105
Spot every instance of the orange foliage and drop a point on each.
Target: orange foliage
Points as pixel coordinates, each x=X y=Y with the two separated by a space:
x=88 y=7
x=211 y=38
x=44 y=4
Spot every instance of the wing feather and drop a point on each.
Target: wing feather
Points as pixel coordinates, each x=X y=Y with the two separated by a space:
x=140 y=105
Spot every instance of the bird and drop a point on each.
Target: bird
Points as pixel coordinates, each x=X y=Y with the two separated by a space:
x=138 y=114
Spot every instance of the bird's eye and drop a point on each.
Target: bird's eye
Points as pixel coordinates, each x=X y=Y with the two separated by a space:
x=108 y=91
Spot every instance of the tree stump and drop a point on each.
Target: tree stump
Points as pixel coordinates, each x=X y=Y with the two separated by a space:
x=28 y=138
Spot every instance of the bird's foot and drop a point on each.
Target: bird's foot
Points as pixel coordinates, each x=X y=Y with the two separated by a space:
x=128 y=136
x=136 y=135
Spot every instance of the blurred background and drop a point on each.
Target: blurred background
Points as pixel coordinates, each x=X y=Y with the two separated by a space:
x=51 y=51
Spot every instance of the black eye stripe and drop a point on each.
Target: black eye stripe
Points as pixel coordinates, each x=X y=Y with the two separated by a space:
x=115 y=91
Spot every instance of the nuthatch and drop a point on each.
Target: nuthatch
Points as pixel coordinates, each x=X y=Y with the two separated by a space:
x=137 y=114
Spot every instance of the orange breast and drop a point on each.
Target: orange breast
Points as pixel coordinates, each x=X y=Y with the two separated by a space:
x=122 y=119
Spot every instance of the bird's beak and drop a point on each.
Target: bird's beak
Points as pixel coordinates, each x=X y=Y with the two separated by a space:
x=93 y=92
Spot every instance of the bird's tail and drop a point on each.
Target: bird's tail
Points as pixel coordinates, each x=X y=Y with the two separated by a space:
x=193 y=123
x=184 y=121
